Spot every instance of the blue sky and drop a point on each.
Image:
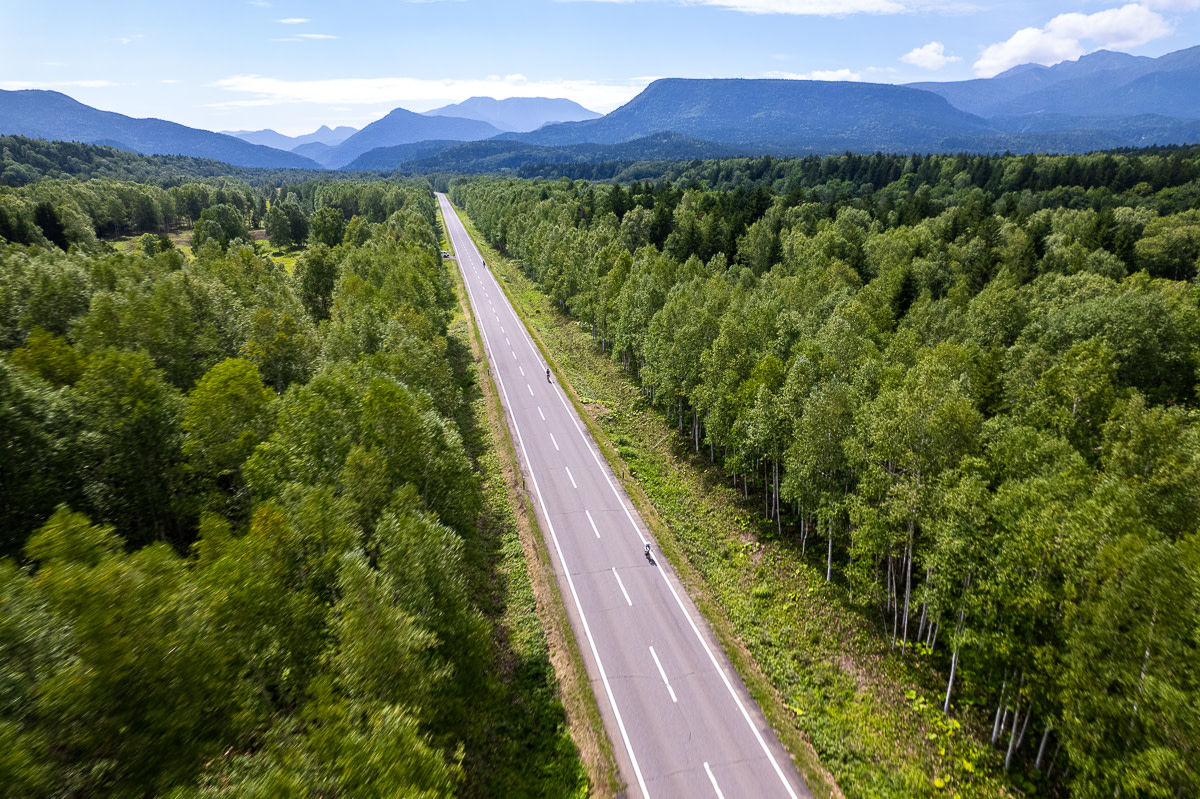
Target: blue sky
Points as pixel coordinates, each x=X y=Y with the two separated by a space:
x=294 y=65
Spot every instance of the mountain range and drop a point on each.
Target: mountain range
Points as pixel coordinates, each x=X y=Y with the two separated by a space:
x=42 y=114
x=322 y=135
x=517 y=114
x=1103 y=100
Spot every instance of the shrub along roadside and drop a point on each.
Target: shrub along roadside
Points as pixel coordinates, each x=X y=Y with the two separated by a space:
x=810 y=658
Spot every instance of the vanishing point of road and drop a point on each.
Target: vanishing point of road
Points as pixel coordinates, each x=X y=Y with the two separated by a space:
x=681 y=720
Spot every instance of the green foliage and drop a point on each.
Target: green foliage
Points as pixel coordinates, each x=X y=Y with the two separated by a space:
x=269 y=592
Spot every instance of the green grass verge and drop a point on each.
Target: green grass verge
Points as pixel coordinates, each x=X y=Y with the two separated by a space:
x=858 y=719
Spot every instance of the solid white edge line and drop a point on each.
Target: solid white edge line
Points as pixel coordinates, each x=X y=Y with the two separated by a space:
x=637 y=771
x=595 y=529
x=663 y=674
x=713 y=780
x=628 y=601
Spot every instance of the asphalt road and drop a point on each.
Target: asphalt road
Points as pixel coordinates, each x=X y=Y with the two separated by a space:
x=681 y=720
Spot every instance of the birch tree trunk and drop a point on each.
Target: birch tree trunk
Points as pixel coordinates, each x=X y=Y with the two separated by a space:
x=1037 y=765
x=829 y=557
x=1012 y=736
x=999 y=710
x=908 y=577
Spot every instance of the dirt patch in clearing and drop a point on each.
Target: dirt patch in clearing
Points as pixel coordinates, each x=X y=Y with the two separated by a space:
x=597 y=409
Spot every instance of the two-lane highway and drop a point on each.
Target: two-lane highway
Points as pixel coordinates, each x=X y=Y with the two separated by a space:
x=682 y=722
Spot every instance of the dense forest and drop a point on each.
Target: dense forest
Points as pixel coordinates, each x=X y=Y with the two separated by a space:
x=240 y=527
x=967 y=384
x=24 y=160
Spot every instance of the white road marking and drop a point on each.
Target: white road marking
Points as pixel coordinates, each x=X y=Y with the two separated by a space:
x=628 y=601
x=530 y=389
x=514 y=356
x=595 y=529
x=569 y=477
x=662 y=673
x=522 y=371
x=555 y=443
x=713 y=780
x=737 y=700
x=540 y=411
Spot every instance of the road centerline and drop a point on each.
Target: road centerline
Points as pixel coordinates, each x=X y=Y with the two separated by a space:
x=621 y=585
x=663 y=674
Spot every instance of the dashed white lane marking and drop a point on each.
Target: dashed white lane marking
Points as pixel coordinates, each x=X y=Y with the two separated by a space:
x=713 y=780
x=522 y=371
x=555 y=443
x=540 y=410
x=569 y=477
x=628 y=601
x=514 y=355
x=663 y=674
x=530 y=389
x=591 y=521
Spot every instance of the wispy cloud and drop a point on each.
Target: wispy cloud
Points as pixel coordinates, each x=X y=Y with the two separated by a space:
x=818 y=74
x=931 y=56
x=293 y=21
x=419 y=94
x=315 y=36
x=820 y=8
x=1063 y=38
x=1173 y=5
x=57 y=84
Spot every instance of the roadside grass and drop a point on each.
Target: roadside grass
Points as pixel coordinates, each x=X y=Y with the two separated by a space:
x=540 y=733
x=859 y=719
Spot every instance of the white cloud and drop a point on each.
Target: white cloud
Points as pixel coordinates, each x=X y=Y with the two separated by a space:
x=820 y=8
x=824 y=8
x=13 y=85
x=1063 y=38
x=417 y=94
x=931 y=56
x=293 y=21
x=1173 y=5
x=315 y=36
x=818 y=74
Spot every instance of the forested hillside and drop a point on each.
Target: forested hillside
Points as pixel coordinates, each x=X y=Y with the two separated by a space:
x=242 y=551
x=24 y=160
x=966 y=384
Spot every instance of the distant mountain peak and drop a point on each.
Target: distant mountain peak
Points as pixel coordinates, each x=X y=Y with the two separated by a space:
x=517 y=114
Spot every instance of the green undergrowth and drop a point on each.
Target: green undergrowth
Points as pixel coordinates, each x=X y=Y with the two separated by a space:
x=519 y=745
x=872 y=715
